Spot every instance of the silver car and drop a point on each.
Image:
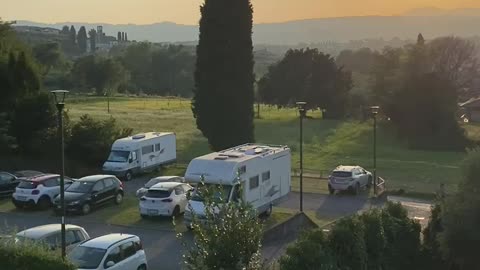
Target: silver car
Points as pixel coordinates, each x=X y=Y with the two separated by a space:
x=351 y=178
x=50 y=235
x=142 y=191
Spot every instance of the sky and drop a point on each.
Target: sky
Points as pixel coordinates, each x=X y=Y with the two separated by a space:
x=187 y=11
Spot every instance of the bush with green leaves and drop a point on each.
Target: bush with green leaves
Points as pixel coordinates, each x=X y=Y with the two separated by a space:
x=374 y=238
x=92 y=139
x=228 y=238
x=30 y=256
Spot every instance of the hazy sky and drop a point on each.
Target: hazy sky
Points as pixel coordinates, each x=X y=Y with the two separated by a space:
x=187 y=11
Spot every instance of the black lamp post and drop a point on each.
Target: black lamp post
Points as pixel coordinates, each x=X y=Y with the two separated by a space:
x=60 y=103
x=302 y=111
x=374 y=110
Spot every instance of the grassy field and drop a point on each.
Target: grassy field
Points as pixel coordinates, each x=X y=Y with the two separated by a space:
x=327 y=143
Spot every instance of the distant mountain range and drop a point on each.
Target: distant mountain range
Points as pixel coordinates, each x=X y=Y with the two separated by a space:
x=430 y=22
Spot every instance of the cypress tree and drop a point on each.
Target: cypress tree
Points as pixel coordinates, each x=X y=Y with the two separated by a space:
x=126 y=37
x=93 y=40
x=82 y=39
x=223 y=93
x=73 y=35
x=420 y=39
x=119 y=36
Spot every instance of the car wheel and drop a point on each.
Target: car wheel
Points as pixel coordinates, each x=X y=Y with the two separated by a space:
x=128 y=175
x=142 y=267
x=119 y=198
x=17 y=205
x=44 y=203
x=269 y=211
x=176 y=211
x=143 y=216
x=86 y=209
x=331 y=190
x=356 y=190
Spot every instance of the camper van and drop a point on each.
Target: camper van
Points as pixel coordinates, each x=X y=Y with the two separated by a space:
x=263 y=171
x=140 y=153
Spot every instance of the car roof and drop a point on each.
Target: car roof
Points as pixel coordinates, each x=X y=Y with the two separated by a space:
x=342 y=168
x=165 y=178
x=95 y=178
x=27 y=173
x=43 y=177
x=40 y=231
x=106 y=241
x=166 y=185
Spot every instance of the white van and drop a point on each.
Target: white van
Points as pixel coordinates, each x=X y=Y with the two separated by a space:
x=140 y=153
x=263 y=171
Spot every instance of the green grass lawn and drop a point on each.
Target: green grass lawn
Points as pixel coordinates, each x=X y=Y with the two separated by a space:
x=327 y=143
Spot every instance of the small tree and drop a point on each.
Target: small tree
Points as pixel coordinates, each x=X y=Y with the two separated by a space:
x=228 y=238
x=92 y=34
x=374 y=238
x=73 y=35
x=82 y=39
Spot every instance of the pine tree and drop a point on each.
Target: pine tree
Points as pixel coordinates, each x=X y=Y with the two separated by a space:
x=119 y=36
x=82 y=39
x=223 y=93
x=93 y=40
x=73 y=35
x=65 y=30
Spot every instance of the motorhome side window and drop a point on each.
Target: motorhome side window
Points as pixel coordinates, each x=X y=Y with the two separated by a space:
x=254 y=182
x=157 y=147
x=242 y=169
x=265 y=176
x=147 y=149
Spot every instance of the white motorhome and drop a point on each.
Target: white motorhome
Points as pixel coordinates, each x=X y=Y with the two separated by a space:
x=140 y=153
x=263 y=171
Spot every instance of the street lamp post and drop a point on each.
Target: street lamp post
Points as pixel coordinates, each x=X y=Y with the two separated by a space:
x=302 y=111
x=374 y=110
x=60 y=103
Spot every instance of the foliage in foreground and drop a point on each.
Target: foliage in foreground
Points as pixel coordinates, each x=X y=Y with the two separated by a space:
x=229 y=237
x=30 y=256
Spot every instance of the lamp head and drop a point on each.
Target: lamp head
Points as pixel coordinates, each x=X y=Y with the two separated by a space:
x=59 y=96
x=374 y=109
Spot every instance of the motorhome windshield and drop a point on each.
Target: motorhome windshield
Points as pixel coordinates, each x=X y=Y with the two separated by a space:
x=118 y=156
x=222 y=192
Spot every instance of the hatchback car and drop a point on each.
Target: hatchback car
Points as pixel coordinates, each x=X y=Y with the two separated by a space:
x=27 y=173
x=112 y=251
x=165 y=199
x=90 y=192
x=51 y=235
x=8 y=183
x=143 y=190
x=39 y=190
x=351 y=178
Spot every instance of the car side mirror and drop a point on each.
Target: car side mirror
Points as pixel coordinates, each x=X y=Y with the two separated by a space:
x=130 y=160
x=110 y=264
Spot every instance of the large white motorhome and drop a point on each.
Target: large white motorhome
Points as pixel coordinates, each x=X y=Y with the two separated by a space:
x=140 y=153
x=263 y=171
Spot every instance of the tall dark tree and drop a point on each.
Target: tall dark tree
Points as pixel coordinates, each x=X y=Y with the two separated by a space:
x=420 y=39
x=93 y=40
x=126 y=37
x=119 y=36
x=82 y=39
x=224 y=79
x=123 y=36
x=73 y=35
x=65 y=30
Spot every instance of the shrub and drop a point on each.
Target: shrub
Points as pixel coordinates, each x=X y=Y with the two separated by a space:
x=91 y=139
x=310 y=252
x=30 y=256
x=374 y=238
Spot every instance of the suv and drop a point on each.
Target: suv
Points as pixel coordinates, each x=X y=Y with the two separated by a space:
x=38 y=191
x=113 y=251
x=91 y=191
x=51 y=235
x=165 y=199
x=351 y=178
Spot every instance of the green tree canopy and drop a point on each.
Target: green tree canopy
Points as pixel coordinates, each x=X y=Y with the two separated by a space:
x=48 y=55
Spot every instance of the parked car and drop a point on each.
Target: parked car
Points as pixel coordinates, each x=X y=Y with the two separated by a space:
x=351 y=178
x=39 y=190
x=165 y=199
x=51 y=235
x=8 y=183
x=112 y=251
x=142 y=191
x=27 y=173
x=90 y=192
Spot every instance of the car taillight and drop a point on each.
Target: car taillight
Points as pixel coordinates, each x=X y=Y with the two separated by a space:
x=35 y=192
x=121 y=184
x=167 y=200
x=140 y=245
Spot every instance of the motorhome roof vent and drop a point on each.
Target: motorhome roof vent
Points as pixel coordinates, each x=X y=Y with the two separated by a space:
x=221 y=157
x=231 y=155
x=138 y=136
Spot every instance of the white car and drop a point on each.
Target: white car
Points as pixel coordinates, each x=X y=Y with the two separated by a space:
x=51 y=235
x=38 y=191
x=351 y=178
x=165 y=199
x=143 y=190
x=112 y=251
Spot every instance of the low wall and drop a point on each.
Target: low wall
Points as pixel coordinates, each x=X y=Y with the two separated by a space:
x=289 y=229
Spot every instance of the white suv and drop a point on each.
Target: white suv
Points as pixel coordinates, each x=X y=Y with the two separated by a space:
x=112 y=251
x=38 y=191
x=165 y=199
x=351 y=178
x=51 y=235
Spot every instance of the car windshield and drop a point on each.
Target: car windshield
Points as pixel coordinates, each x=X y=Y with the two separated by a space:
x=118 y=156
x=80 y=187
x=27 y=185
x=152 y=182
x=158 y=193
x=86 y=257
x=221 y=195
x=342 y=174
